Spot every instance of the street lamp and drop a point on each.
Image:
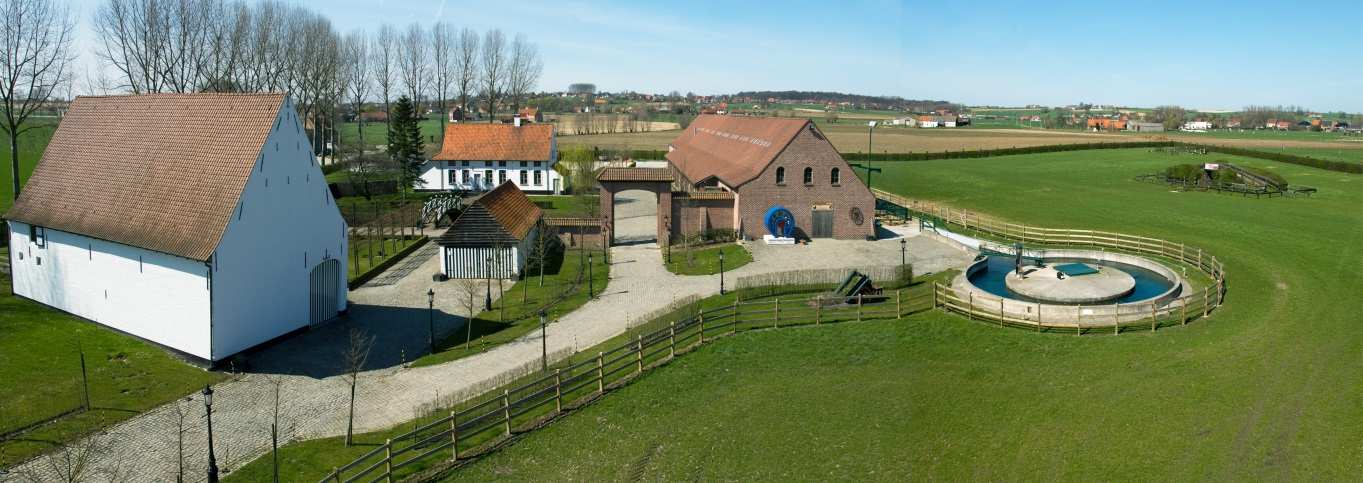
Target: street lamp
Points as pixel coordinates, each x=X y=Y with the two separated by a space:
x=903 y=252
x=487 y=296
x=430 y=320
x=721 y=271
x=212 y=461
x=591 y=287
x=544 y=345
x=871 y=128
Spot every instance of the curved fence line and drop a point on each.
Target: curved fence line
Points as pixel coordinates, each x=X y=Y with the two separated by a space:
x=483 y=426
x=1079 y=319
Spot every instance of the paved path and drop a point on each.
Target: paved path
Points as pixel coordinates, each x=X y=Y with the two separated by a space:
x=305 y=367
x=404 y=268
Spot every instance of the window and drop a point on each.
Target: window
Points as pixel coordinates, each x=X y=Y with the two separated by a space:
x=487 y=176
x=835 y=177
x=781 y=175
x=525 y=177
x=487 y=164
x=501 y=176
x=539 y=163
x=467 y=177
x=464 y=163
x=809 y=175
x=501 y=164
x=522 y=164
x=454 y=177
x=539 y=178
x=37 y=235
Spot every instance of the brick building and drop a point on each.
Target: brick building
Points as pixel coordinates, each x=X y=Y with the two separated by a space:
x=729 y=171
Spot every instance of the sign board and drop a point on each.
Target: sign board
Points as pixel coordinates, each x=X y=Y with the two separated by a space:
x=1211 y=166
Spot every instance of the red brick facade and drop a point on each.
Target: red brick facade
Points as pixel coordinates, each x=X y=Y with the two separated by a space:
x=808 y=150
x=693 y=216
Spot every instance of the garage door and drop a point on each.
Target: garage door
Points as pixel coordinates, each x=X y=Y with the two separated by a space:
x=324 y=288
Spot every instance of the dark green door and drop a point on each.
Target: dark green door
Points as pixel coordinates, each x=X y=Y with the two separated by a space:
x=823 y=223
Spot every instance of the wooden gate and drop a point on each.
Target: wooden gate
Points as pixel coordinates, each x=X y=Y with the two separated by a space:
x=823 y=223
x=324 y=287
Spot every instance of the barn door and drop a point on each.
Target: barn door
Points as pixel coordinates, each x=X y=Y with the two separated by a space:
x=823 y=223
x=324 y=286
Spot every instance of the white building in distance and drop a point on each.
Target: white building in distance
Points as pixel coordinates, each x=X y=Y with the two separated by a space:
x=482 y=156
x=200 y=222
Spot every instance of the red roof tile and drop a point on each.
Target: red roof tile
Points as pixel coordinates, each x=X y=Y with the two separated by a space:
x=732 y=148
x=465 y=141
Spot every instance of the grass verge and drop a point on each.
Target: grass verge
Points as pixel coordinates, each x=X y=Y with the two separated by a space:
x=705 y=261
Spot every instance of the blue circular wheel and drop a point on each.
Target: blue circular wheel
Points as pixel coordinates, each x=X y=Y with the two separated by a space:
x=780 y=223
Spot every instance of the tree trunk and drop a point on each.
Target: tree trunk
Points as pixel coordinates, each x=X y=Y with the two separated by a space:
x=350 y=421
x=14 y=162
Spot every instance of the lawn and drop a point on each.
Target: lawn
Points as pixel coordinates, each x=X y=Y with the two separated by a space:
x=705 y=260
x=567 y=205
x=31 y=146
x=366 y=253
x=40 y=376
x=516 y=312
x=376 y=133
x=1262 y=390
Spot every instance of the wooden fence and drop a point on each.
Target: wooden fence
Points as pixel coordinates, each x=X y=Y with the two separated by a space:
x=473 y=431
x=1187 y=306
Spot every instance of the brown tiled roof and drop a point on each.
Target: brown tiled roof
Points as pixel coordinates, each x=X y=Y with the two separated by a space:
x=471 y=141
x=159 y=171
x=709 y=194
x=501 y=216
x=571 y=221
x=734 y=149
x=635 y=174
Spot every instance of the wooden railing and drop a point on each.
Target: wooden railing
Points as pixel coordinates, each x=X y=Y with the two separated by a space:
x=1006 y=312
x=481 y=427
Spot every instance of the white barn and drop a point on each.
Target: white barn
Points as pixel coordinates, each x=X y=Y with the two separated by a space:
x=200 y=222
x=493 y=237
x=482 y=156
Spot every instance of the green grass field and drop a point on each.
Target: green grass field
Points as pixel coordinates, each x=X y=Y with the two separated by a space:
x=31 y=146
x=563 y=205
x=40 y=376
x=705 y=260
x=1265 y=389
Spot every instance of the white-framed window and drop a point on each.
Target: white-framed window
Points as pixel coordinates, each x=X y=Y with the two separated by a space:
x=467 y=177
x=454 y=177
x=501 y=176
x=539 y=178
x=525 y=178
x=38 y=235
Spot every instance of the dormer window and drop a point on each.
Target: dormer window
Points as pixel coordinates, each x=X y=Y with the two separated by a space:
x=781 y=175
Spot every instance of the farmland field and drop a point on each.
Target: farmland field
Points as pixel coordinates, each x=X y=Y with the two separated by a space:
x=1262 y=390
x=31 y=146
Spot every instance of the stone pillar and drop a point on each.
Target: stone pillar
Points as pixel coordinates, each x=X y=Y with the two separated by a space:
x=664 y=214
x=608 y=214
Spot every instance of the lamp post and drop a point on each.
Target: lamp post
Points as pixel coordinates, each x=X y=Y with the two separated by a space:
x=903 y=252
x=721 y=271
x=212 y=461
x=871 y=128
x=430 y=319
x=487 y=296
x=544 y=345
x=591 y=287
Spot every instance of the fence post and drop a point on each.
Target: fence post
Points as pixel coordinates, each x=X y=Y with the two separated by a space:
x=776 y=314
x=1116 y=319
x=970 y=298
x=1153 y=320
x=454 y=435
x=1205 y=291
x=1000 y=311
x=506 y=411
x=858 y=307
x=639 y=353
x=737 y=304
x=1038 y=316
x=934 y=295
x=672 y=338
x=1184 y=305
x=701 y=319
x=600 y=374
x=388 y=460
x=898 y=303
x=558 y=390
x=818 y=308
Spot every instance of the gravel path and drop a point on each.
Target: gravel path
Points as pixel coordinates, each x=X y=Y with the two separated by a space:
x=305 y=367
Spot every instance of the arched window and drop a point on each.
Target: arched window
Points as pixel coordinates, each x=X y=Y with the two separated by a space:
x=834 y=177
x=809 y=175
x=781 y=175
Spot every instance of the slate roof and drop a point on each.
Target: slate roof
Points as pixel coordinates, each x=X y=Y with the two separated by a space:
x=471 y=141
x=162 y=172
x=734 y=149
x=502 y=216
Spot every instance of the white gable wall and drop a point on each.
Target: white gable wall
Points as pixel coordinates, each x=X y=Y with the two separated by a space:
x=156 y=296
x=287 y=224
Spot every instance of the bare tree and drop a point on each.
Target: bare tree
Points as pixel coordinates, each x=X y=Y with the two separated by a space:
x=493 y=73
x=385 y=64
x=35 y=41
x=178 y=415
x=413 y=64
x=76 y=462
x=354 y=74
x=466 y=66
x=444 y=39
x=523 y=71
x=468 y=290
x=354 y=356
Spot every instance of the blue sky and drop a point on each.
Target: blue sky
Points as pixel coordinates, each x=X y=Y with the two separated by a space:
x=1208 y=55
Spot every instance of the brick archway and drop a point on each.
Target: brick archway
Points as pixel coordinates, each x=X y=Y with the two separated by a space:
x=616 y=180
